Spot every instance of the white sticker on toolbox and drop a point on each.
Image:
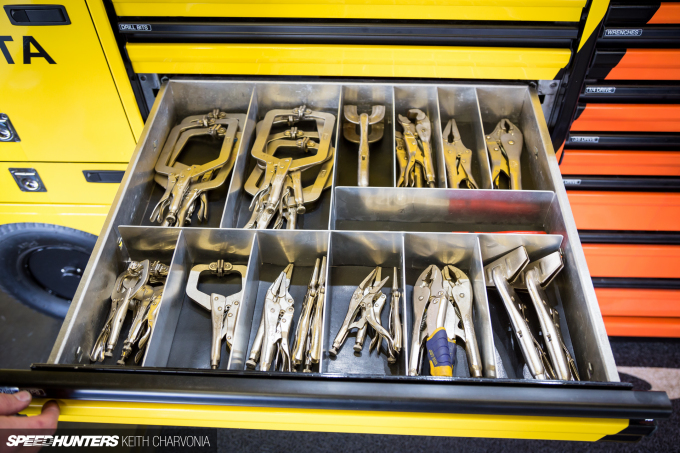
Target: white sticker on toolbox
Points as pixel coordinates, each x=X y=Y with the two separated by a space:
x=575 y=139
x=572 y=182
x=601 y=90
x=623 y=32
x=134 y=27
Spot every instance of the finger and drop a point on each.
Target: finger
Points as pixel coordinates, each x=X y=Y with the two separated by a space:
x=14 y=403
x=46 y=421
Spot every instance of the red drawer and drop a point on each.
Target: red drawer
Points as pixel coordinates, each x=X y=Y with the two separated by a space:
x=661 y=303
x=628 y=118
x=633 y=260
x=643 y=211
x=620 y=163
x=619 y=326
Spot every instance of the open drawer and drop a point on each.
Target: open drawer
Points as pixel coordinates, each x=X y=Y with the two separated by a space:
x=403 y=230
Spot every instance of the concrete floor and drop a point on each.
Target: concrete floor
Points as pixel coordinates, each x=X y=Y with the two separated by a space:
x=27 y=337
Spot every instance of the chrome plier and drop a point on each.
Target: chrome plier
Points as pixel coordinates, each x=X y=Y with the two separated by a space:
x=505 y=148
x=364 y=310
x=458 y=289
x=429 y=315
x=275 y=325
x=458 y=159
x=224 y=310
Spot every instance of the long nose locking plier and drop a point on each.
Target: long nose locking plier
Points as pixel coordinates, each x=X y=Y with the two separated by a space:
x=363 y=311
x=536 y=276
x=502 y=273
x=459 y=291
x=458 y=159
x=145 y=313
x=505 y=149
x=224 y=310
x=308 y=336
x=430 y=306
x=273 y=332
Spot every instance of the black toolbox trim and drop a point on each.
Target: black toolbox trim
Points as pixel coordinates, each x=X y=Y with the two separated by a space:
x=623 y=183
x=636 y=283
x=236 y=388
x=634 y=93
x=435 y=33
x=623 y=141
x=629 y=237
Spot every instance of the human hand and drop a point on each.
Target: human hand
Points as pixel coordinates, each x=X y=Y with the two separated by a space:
x=12 y=404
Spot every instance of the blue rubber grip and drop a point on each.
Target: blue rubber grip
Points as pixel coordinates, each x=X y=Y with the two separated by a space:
x=439 y=354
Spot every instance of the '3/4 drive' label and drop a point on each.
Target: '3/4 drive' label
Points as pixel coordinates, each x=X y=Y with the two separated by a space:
x=601 y=90
x=581 y=139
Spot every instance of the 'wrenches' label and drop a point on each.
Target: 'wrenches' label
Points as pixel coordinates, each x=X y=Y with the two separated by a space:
x=601 y=90
x=134 y=27
x=623 y=32
x=572 y=182
x=577 y=139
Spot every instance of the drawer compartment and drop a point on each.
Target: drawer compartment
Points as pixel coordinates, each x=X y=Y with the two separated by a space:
x=357 y=229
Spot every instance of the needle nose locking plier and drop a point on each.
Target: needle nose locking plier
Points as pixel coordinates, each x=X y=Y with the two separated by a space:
x=505 y=148
x=366 y=303
x=275 y=326
x=458 y=159
x=220 y=307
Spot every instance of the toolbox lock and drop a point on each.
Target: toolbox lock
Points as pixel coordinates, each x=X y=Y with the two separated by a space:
x=28 y=179
x=7 y=131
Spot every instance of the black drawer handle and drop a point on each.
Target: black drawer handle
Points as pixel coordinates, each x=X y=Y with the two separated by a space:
x=37 y=15
x=106 y=176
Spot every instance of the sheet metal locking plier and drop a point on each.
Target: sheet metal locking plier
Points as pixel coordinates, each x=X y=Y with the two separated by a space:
x=224 y=310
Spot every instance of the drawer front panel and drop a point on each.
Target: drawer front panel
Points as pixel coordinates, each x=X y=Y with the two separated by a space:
x=627 y=118
x=619 y=163
x=633 y=261
x=64 y=183
x=644 y=303
x=625 y=210
x=84 y=217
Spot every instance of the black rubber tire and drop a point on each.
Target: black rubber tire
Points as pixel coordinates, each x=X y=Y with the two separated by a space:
x=18 y=241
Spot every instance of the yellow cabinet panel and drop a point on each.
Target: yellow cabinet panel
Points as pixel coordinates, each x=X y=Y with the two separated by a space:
x=64 y=183
x=69 y=111
x=84 y=217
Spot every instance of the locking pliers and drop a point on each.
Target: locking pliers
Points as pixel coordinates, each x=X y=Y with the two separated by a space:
x=275 y=325
x=430 y=306
x=416 y=150
x=224 y=310
x=458 y=159
x=505 y=148
x=458 y=288
x=364 y=138
x=363 y=311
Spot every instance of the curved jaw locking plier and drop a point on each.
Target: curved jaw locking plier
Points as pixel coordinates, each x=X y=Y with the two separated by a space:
x=416 y=150
x=429 y=315
x=502 y=273
x=127 y=286
x=224 y=310
x=458 y=289
x=505 y=149
x=274 y=330
x=458 y=159
x=536 y=276
x=366 y=304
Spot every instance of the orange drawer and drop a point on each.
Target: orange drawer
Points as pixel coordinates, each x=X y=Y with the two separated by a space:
x=647 y=64
x=661 y=303
x=668 y=13
x=628 y=118
x=621 y=326
x=645 y=211
x=620 y=163
x=633 y=260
